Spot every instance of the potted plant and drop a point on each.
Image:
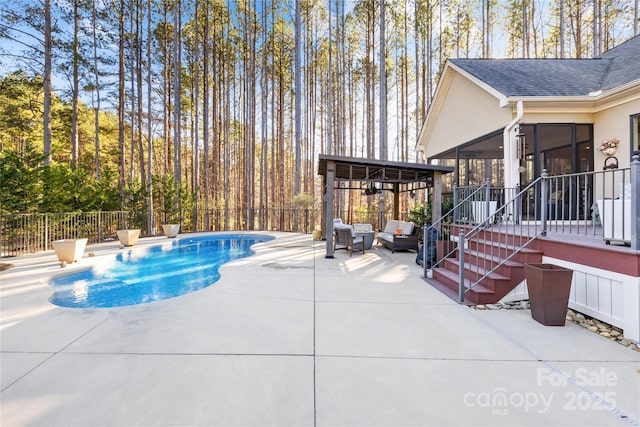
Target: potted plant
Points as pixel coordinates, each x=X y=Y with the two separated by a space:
x=69 y=250
x=170 y=207
x=171 y=224
x=171 y=230
x=128 y=236
x=419 y=215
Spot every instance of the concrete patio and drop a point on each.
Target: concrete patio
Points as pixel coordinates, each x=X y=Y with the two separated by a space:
x=288 y=337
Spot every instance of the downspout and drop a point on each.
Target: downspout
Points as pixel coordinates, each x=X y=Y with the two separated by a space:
x=511 y=176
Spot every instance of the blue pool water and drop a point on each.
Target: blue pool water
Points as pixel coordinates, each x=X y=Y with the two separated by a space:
x=142 y=275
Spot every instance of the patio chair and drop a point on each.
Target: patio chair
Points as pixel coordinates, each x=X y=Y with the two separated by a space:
x=346 y=240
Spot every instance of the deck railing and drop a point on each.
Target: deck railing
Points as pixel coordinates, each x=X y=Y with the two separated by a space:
x=600 y=204
x=593 y=204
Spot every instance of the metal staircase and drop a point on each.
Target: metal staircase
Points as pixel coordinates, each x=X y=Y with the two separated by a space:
x=490 y=250
x=482 y=244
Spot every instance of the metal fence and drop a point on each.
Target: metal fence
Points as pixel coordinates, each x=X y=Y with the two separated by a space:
x=30 y=233
x=271 y=219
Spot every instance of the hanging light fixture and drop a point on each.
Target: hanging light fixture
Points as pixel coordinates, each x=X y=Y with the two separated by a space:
x=371 y=191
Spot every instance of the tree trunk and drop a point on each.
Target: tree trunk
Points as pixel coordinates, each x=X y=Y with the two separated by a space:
x=298 y=96
x=46 y=115
x=205 y=115
x=177 y=85
x=150 y=224
x=76 y=87
x=96 y=107
x=121 y=101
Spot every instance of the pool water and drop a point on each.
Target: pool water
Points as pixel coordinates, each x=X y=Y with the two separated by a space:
x=143 y=275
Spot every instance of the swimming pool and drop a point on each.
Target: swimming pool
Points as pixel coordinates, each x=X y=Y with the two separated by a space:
x=154 y=273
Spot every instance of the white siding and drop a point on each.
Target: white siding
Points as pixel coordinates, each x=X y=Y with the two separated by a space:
x=610 y=297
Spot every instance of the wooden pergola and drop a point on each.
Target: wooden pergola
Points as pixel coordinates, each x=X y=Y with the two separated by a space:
x=376 y=175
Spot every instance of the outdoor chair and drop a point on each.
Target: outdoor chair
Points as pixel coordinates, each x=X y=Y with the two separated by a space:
x=345 y=239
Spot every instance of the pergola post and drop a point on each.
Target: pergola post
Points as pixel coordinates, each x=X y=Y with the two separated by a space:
x=329 y=178
x=436 y=207
x=396 y=200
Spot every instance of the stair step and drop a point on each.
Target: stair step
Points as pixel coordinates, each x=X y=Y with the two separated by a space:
x=453 y=277
x=473 y=269
x=448 y=291
x=446 y=282
x=497 y=250
x=507 y=247
x=494 y=234
x=470 y=253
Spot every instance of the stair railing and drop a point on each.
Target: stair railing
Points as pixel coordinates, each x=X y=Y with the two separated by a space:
x=440 y=229
x=587 y=204
x=496 y=246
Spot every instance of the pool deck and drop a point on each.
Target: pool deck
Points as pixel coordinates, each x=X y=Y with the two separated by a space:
x=288 y=337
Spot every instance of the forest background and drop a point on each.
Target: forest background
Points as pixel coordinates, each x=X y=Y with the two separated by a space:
x=176 y=109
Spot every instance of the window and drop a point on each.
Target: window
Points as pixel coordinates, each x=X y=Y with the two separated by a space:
x=635 y=133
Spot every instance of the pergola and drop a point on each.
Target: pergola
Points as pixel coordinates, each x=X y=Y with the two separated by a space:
x=377 y=175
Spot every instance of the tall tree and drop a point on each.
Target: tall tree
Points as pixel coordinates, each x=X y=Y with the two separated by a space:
x=177 y=86
x=298 y=94
x=205 y=112
x=97 y=83
x=383 y=83
x=150 y=115
x=46 y=80
x=121 y=99
x=75 y=90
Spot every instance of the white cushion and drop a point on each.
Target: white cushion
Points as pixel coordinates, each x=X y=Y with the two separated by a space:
x=385 y=236
x=392 y=226
x=407 y=228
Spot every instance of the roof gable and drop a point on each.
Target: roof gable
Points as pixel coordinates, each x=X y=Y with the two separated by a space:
x=558 y=77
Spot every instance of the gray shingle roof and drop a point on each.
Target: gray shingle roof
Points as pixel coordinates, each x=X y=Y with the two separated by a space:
x=558 y=77
x=625 y=64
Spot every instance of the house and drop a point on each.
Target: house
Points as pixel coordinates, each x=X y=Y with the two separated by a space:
x=508 y=122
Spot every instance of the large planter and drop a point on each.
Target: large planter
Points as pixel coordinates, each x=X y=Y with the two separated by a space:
x=171 y=230
x=69 y=250
x=128 y=237
x=549 y=286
